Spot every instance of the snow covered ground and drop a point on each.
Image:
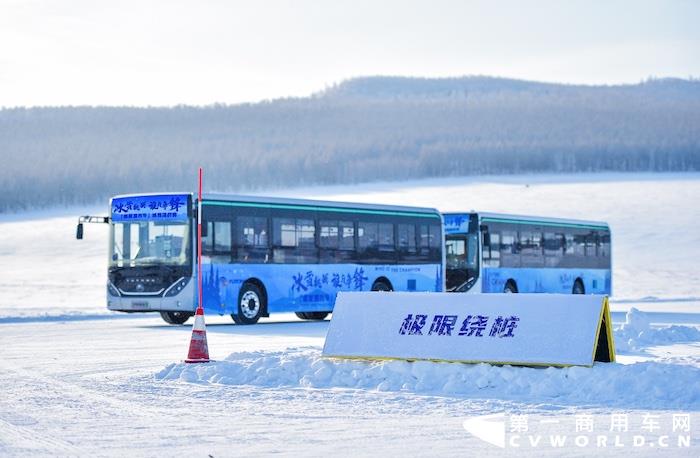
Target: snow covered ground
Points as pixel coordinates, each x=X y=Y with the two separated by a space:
x=79 y=380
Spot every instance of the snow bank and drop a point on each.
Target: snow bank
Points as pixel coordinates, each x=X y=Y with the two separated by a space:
x=642 y=385
x=637 y=332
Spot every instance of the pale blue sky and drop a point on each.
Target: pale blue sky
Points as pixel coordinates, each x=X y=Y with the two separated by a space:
x=167 y=52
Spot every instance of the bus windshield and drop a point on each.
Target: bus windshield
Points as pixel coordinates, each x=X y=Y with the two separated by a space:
x=149 y=243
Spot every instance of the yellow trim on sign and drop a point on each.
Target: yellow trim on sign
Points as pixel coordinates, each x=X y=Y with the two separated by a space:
x=605 y=318
x=599 y=324
x=434 y=360
x=609 y=331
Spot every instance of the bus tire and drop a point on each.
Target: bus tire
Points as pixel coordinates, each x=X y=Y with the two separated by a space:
x=312 y=315
x=175 y=317
x=510 y=287
x=250 y=305
x=381 y=285
x=578 y=287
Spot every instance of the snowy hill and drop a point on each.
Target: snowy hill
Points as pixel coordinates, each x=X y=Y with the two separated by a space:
x=377 y=87
x=362 y=130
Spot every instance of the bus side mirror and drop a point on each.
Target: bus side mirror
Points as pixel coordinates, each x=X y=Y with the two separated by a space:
x=487 y=239
x=204 y=228
x=79 y=231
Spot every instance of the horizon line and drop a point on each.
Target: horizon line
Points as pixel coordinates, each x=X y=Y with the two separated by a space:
x=328 y=87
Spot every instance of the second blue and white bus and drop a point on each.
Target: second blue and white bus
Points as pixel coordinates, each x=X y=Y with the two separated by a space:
x=265 y=255
x=497 y=253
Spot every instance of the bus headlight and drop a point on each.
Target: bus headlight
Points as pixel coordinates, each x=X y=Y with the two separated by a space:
x=113 y=291
x=177 y=287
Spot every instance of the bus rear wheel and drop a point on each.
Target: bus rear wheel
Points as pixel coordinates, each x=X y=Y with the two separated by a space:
x=312 y=315
x=578 y=288
x=250 y=305
x=510 y=288
x=380 y=285
x=175 y=317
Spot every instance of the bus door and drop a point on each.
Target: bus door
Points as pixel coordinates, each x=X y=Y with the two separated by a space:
x=456 y=262
x=461 y=265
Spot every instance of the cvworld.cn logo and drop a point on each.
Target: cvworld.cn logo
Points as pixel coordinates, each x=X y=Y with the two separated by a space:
x=488 y=428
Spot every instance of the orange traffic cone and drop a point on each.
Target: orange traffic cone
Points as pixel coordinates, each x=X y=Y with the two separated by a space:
x=199 y=351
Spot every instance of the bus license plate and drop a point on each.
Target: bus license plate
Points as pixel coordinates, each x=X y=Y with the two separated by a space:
x=139 y=304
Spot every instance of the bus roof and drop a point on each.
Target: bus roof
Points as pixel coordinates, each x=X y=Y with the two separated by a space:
x=505 y=217
x=289 y=202
x=326 y=204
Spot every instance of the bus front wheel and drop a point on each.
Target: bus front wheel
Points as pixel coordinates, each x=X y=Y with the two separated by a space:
x=578 y=288
x=250 y=305
x=175 y=317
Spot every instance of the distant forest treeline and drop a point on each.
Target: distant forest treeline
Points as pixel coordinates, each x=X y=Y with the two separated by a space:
x=365 y=129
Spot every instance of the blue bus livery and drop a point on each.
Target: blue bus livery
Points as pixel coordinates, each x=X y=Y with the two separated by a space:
x=496 y=253
x=265 y=255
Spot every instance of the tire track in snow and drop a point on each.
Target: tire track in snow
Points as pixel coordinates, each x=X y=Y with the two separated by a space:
x=77 y=391
x=21 y=431
x=24 y=438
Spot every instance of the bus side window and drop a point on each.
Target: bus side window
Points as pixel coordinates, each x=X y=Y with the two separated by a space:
x=294 y=240
x=222 y=240
x=252 y=239
x=591 y=244
x=509 y=242
x=579 y=245
x=495 y=248
x=336 y=241
x=485 y=245
x=347 y=235
x=526 y=243
x=569 y=246
x=367 y=240
x=435 y=242
x=604 y=253
x=531 y=248
x=346 y=242
x=491 y=249
x=386 y=237
x=328 y=234
x=284 y=232
x=423 y=242
x=553 y=249
x=407 y=238
x=216 y=245
x=207 y=237
x=306 y=233
x=509 y=249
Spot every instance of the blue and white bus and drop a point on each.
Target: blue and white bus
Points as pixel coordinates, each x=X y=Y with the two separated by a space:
x=264 y=255
x=497 y=253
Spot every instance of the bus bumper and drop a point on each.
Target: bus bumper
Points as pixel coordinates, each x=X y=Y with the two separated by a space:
x=182 y=302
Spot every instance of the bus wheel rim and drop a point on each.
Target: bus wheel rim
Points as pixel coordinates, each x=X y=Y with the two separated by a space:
x=250 y=304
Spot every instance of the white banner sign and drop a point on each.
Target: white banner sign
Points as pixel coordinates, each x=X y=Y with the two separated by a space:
x=522 y=329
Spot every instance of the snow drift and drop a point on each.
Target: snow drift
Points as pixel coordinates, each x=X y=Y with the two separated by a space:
x=637 y=332
x=648 y=385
